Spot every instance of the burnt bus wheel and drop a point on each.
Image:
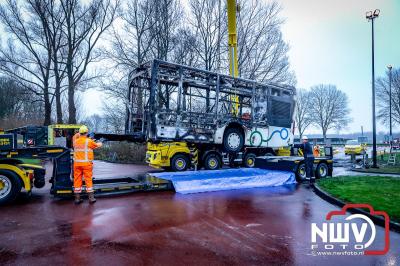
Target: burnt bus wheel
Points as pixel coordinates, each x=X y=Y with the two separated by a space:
x=179 y=162
x=249 y=160
x=212 y=162
x=233 y=140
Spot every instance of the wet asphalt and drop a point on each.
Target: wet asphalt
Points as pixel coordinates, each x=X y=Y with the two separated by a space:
x=264 y=226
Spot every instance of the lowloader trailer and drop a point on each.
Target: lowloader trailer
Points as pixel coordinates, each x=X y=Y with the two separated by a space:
x=17 y=176
x=322 y=167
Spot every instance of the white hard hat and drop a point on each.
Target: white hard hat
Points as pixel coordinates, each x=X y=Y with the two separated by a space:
x=304 y=138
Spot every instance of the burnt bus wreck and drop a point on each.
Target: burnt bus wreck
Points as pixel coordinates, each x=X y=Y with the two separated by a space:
x=234 y=119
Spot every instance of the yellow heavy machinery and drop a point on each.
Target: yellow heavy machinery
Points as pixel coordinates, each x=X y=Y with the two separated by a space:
x=17 y=176
x=16 y=173
x=56 y=134
x=13 y=177
x=22 y=151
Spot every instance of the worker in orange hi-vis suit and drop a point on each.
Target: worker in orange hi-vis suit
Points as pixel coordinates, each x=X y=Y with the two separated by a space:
x=316 y=151
x=83 y=164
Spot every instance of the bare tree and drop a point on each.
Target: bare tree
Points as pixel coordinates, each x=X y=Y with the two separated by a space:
x=132 y=41
x=262 y=52
x=329 y=108
x=206 y=21
x=184 y=42
x=209 y=30
x=147 y=32
x=10 y=97
x=94 y=122
x=55 y=19
x=18 y=105
x=302 y=115
x=114 y=114
x=83 y=27
x=382 y=93
x=131 y=45
x=165 y=20
x=27 y=57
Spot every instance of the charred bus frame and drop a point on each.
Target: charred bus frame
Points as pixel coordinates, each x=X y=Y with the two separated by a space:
x=172 y=102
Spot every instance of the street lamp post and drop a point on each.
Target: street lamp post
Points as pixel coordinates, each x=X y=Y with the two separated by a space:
x=371 y=16
x=390 y=107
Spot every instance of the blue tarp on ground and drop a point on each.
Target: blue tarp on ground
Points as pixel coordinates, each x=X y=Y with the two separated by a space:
x=227 y=179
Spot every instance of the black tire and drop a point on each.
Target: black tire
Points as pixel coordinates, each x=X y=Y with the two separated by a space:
x=301 y=172
x=249 y=160
x=179 y=163
x=212 y=162
x=233 y=140
x=39 y=180
x=10 y=187
x=322 y=170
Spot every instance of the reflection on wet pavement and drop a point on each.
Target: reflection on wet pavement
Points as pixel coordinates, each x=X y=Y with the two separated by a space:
x=241 y=227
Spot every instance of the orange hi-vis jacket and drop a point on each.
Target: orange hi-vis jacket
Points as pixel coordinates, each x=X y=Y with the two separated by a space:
x=83 y=151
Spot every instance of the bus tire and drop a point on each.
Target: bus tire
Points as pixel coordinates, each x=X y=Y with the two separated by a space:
x=233 y=140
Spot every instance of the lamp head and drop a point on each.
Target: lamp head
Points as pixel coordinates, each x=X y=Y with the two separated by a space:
x=372 y=14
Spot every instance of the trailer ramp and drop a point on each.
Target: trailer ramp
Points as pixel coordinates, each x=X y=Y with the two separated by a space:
x=227 y=179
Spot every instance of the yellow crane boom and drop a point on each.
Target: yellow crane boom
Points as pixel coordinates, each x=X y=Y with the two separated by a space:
x=232 y=38
x=232 y=44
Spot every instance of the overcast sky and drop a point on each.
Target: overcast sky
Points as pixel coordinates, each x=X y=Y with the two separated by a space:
x=330 y=42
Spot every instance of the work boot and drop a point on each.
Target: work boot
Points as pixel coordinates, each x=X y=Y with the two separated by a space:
x=92 y=199
x=78 y=199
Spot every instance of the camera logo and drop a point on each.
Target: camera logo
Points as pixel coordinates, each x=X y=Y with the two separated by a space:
x=349 y=234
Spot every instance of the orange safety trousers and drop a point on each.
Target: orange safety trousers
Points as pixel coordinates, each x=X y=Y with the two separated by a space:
x=85 y=171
